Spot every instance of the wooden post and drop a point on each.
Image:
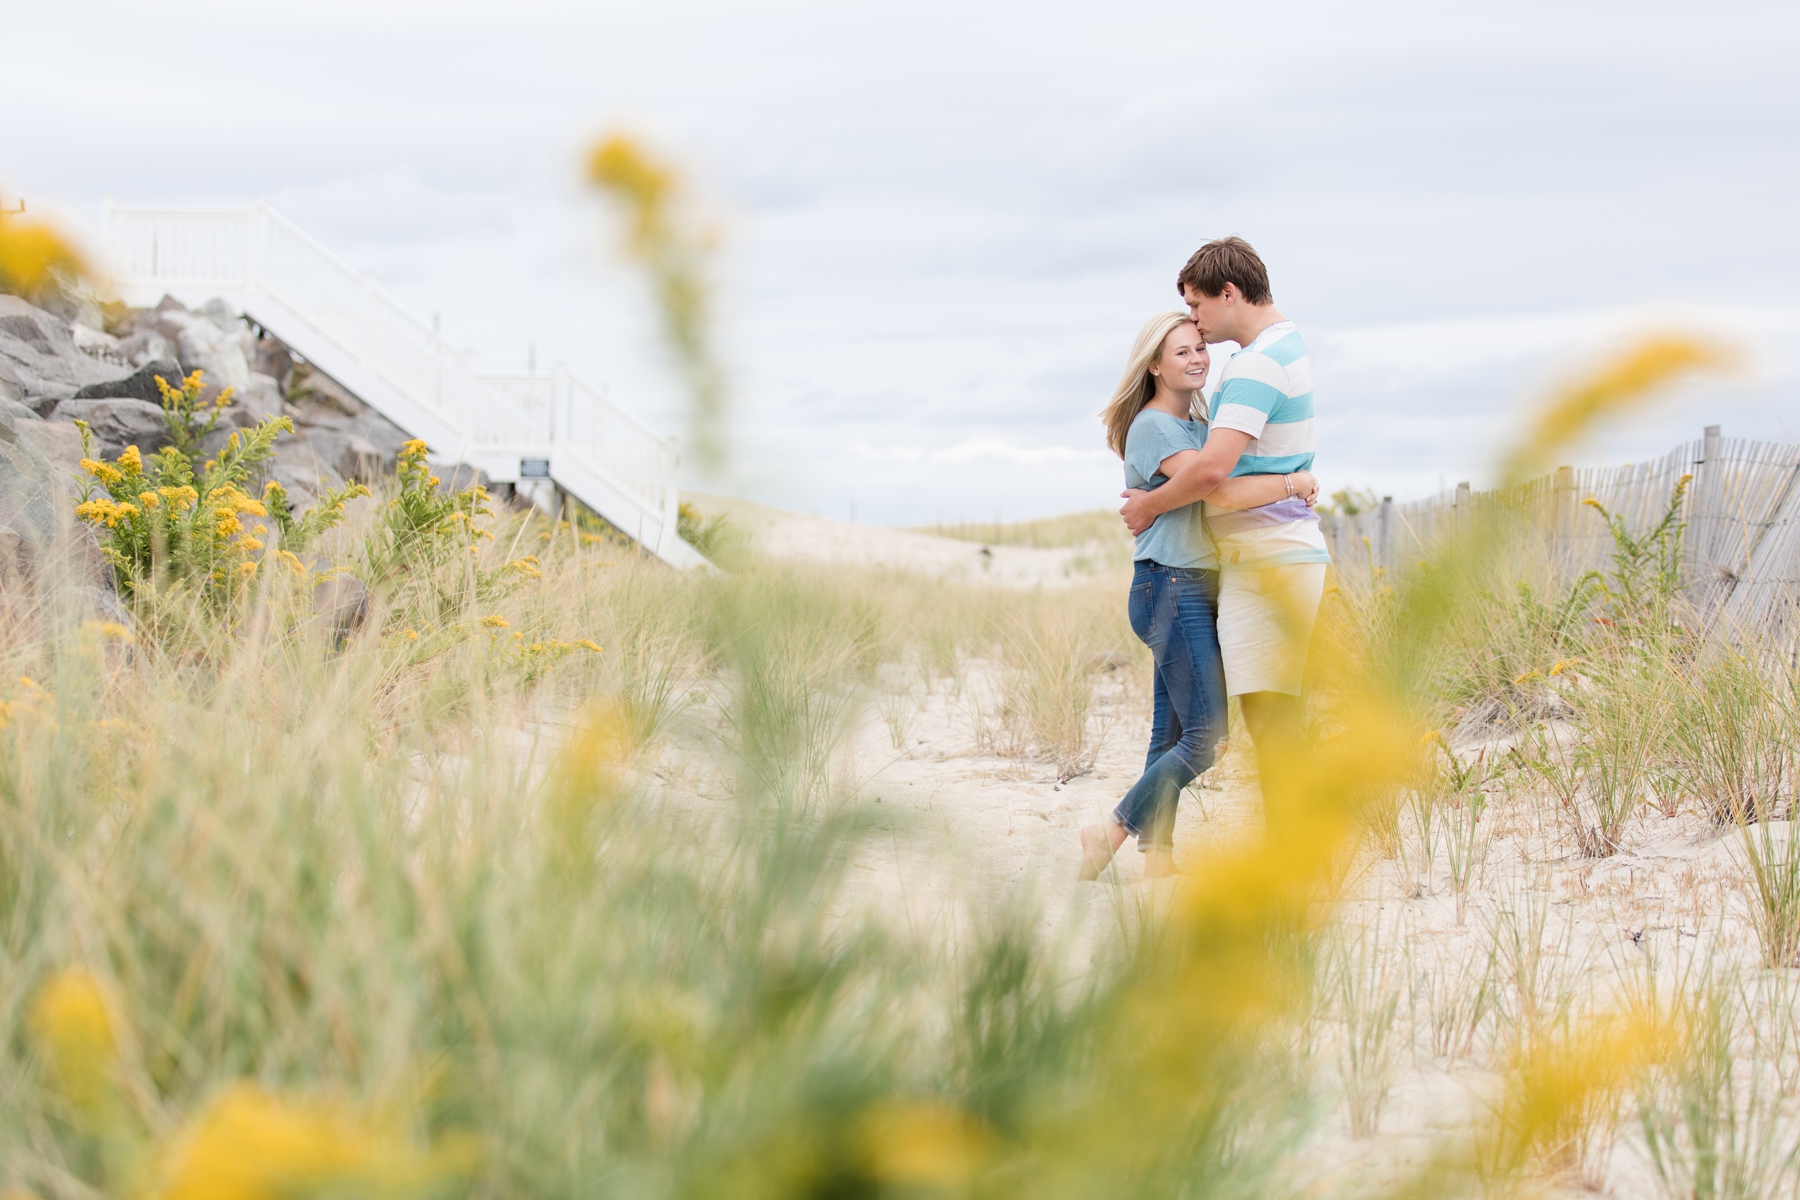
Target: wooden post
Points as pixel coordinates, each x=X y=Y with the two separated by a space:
x=1384 y=534
x=1702 y=505
x=1565 y=506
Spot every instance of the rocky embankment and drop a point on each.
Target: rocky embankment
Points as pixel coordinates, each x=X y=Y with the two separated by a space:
x=63 y=357
x=66 y=358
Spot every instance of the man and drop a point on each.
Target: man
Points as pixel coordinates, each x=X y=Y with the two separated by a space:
x=1272 y=558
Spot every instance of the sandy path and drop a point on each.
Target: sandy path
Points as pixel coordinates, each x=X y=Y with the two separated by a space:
x=969 y=827
x=797 y=537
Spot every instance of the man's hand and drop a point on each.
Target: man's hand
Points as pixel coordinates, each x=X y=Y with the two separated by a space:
x=1136 y=511
x=1306 y=486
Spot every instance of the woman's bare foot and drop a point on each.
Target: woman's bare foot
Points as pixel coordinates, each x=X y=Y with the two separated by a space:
x=1159 y=864
x=1098 y=842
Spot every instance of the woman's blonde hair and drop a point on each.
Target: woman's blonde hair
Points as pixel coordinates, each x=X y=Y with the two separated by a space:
x=1137 y=385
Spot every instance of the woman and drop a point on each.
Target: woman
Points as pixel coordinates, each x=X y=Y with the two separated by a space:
x=1155 y=421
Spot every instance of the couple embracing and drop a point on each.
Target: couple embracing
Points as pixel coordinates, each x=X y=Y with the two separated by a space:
x=1230 y=560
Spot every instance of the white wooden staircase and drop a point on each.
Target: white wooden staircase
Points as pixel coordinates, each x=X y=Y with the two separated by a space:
x=514 y=427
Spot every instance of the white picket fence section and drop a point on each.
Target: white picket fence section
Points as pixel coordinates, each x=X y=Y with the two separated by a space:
x=1740 y=550
x=517 y=426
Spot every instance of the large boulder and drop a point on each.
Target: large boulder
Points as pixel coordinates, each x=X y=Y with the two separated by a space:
x=261 y=397
x=139 y=385
x=271 y=357
x=41 y=544
x=203 y=344
x=118 y=422
x=40 y=363
x=300 y=468
x=146 y=345
x=58 y=441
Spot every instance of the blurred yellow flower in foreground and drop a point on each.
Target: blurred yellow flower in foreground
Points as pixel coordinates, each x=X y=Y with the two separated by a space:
x=251 y=1145
x=926 y=1145
x=1618 y=385
x=73 y=1025
x=29 y=251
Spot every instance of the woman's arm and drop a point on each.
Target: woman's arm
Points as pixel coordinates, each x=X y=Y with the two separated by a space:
x=1252 y=491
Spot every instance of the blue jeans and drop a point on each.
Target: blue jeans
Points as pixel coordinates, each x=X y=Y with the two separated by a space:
x=1174 y=612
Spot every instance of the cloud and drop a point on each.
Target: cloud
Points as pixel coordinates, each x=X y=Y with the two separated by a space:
x=978 y=449
x=939 y=245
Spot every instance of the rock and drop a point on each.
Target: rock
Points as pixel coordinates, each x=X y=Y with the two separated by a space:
x=204 y=345
x=261 y=396
x=139 y=385
x=58 y=441
x=42 y=545
x=170 y=304
x=362 y=461
x=99 y=345
x=298 y=468
x=39 y=358
x=218 y=312
x=117 y=423
x=460 y=477
x=146 y=345
x=340 y=606
x=271 y=357
x=318 y=390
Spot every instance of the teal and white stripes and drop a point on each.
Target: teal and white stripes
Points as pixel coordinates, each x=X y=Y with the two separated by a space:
x=1266 y=391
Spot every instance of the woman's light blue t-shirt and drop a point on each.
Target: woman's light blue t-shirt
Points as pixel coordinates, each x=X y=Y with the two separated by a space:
x=1177 y=538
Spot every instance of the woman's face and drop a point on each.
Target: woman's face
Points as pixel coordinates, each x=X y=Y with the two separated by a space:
x=1184 y=362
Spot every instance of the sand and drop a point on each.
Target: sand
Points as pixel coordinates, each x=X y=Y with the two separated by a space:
x=968 y=824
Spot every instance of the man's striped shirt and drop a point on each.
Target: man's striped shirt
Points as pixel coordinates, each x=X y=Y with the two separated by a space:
x=1266 y=391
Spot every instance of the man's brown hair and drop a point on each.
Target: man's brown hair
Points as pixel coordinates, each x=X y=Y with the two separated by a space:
x=1227 y=260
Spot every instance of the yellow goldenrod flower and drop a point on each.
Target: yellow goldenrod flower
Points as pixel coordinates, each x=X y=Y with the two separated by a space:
x=106 y=473
x=224 y=399
x=131 y=462
x=247 y=569
x=496 y=622
x=587 y=644
x=1563 y=664
x=249 y=545
x=149 y=499
x=1532 y=674
x=107 y=631
x=292 y=560
x=411 y=635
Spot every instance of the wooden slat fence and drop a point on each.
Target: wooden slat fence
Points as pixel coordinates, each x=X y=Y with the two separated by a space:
x=1740 y=549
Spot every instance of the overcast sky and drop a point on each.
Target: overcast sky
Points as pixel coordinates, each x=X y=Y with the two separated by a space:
x=946 y=219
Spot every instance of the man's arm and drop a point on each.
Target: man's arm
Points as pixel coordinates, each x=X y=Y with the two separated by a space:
x=1253 y=491
x=1197 y=472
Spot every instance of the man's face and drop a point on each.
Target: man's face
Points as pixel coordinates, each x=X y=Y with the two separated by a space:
x=1211 y=313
